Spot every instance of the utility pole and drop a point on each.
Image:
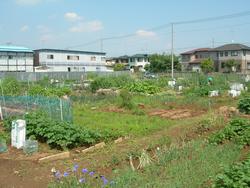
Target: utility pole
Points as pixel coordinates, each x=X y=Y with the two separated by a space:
x=172 y=49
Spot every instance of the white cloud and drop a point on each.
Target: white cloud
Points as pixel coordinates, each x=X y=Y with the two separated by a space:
x=72 y=16
x=24 y=28
x=91 y=26
x=28 y=2
x=144 y=33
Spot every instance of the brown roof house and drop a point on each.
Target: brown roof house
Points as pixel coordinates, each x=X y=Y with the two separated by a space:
x=240 y=53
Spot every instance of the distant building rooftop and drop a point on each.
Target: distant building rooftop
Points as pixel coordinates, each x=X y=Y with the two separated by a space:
x=231 y=47
x=198 y=50
x=70 y=51
x=15 y=49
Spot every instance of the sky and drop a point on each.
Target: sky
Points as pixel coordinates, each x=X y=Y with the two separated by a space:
x=81 y=24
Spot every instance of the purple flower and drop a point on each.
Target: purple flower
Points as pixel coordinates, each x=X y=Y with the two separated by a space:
x=92 y=173
x=84 y=170
x=58 y=175
x=82 y=180
x=66 y=174
x=105 y=181
x=75 y=167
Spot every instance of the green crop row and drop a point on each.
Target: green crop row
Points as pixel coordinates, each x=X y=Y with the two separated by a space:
x=55 y=133
x=238 y=130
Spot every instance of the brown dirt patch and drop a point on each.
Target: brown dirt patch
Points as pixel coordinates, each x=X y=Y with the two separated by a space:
x=175 y=113
x=113 y=109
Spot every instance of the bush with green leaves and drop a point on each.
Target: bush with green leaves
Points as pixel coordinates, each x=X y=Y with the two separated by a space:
x=237 y=175
x=11 y=87
x=144 y=87
x=57 y=134
x=244 y=105
x=238 y=130
x=106 y=82
x=126 y=99
x=38 y=90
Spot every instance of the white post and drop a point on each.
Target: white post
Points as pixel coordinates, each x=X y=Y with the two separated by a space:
x=1 y=113
x=61 y=108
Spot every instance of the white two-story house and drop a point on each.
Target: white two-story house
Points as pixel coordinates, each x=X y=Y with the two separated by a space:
x=55 y=60
x=138 y=60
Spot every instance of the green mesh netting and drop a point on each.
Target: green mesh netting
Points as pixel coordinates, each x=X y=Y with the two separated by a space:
x=56 y=108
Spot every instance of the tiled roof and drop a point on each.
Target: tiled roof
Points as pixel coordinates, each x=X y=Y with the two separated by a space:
x=197 y=50
x=231 y=47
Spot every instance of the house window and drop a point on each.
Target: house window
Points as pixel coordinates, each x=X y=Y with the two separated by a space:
x=93 y=58
x=50 y=56
x=244 y=53
x=103 y=58
x=73 y=57
x=248 y=65
x=221 y=54
x=234 y=53
x=200 y=56
x=196 y=56
x=226 y=54
x=11 y=57
x=98 y=69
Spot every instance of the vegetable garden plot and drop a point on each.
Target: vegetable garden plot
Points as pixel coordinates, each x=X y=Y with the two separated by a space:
x=56 y=108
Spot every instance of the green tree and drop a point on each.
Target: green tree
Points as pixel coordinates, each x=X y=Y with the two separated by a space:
x=229 y=64
x=207 y=65
x=119 y=67
x=163 y=63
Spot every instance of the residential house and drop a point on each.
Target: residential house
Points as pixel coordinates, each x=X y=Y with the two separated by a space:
x=191 y=60
x=237 y=52
x=16 y=59
x=55 y=60
x=138 y=60
x=115 y=60
x=240 y=53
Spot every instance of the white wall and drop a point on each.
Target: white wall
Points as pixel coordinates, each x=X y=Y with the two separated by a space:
x=18 y=62
x=60 y=62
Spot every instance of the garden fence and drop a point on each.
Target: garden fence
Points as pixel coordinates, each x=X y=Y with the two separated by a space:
x=57 y=108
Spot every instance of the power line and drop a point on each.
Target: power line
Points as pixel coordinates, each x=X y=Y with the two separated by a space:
x=101 y=40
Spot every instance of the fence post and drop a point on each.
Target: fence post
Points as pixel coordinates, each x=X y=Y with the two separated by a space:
x=61 y=109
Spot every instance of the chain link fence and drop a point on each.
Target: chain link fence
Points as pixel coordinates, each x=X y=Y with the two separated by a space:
x=57 y=108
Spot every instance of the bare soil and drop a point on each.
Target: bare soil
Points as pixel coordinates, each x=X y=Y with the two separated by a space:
x=175 y=113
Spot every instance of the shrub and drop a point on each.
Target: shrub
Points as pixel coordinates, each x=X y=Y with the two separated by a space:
x=244 y=105
x=126 y=99
x=105 y=82
x=143 y=87
x=238 y=130
x=11 y=87
x=236 y=175
x=38 y=90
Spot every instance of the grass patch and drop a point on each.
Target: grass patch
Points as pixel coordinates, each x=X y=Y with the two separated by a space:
x=190 y=166
x=117 y=124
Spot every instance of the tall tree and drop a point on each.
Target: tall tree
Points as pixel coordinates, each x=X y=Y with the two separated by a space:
x=162 y=63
